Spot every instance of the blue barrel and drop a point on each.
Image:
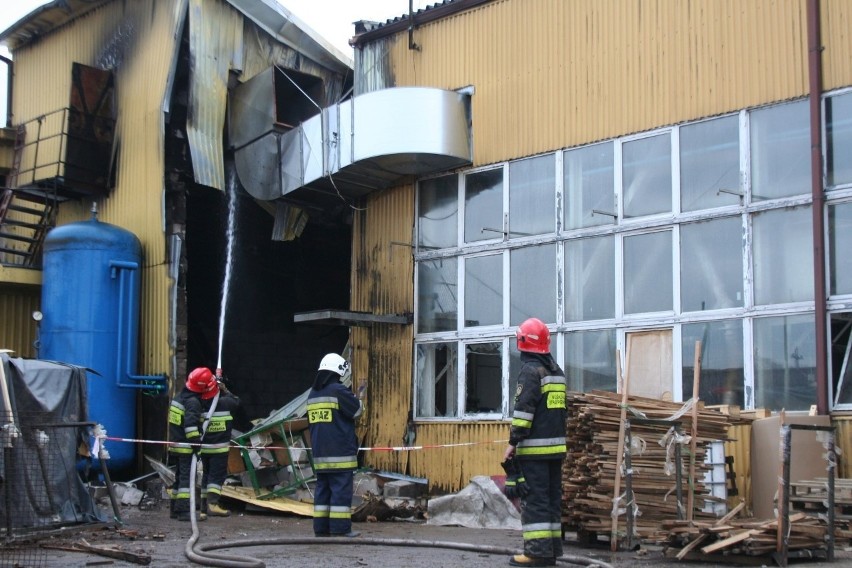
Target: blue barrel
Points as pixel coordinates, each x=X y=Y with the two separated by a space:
x=90 y=302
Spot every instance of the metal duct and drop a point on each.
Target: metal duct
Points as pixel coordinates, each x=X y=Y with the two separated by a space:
x=354 y=147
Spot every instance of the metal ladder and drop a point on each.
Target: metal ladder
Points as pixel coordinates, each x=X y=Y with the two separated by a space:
x=33 y=214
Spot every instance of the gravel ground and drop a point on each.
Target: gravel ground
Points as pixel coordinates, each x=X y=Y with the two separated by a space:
x=153 y=533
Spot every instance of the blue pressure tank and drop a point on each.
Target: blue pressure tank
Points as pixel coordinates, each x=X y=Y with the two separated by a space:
x=90 y=303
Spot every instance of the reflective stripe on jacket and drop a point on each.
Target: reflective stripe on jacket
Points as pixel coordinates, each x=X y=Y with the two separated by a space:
x=538 y=420
x=332 y=411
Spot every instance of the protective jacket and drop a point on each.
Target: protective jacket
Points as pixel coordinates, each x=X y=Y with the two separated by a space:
x=332 y=410
x=218 y=434
x=185 y=421
x=538 y=420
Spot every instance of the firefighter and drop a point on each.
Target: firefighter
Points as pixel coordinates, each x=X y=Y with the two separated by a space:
x=332 y=410
x=214 y=452
x=537 y=441
x=185 y=422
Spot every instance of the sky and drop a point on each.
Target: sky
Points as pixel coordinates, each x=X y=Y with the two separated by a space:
x=332 y=19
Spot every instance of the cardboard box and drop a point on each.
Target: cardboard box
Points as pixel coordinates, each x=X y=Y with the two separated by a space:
x=806 y=458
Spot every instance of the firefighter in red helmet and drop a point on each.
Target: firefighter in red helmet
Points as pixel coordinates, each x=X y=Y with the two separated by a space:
x=185 y=422
x=537 y=442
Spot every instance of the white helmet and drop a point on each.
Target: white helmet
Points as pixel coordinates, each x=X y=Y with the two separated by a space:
x=335 y=363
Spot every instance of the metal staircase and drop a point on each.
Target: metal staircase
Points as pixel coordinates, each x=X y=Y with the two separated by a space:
x=25 y=215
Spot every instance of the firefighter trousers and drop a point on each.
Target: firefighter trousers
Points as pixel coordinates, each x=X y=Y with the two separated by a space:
x=541 y=509
x=333 y=503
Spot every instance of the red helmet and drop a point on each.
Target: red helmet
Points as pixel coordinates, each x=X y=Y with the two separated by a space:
x=202 y=381
x=533 y=336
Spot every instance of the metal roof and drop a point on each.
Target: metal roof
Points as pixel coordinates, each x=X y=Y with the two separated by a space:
x=367 y=31
x=273 y=18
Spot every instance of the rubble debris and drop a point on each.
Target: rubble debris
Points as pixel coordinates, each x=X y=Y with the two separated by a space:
x=106 y=551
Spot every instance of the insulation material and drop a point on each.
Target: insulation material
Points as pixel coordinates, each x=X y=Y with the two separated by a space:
x=480 y=505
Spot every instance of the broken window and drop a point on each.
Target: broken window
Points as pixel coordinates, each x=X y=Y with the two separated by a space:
x=437 y=295
x=484 y=378
x=437 y=385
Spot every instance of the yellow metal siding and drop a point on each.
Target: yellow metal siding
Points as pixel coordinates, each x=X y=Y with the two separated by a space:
x=739 y=447
x=554 y=73
x=382 y=284
x=18 y=331
x=843 y=440
x=138 y=40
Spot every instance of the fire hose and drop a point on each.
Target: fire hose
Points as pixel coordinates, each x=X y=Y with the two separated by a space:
x=200 y=553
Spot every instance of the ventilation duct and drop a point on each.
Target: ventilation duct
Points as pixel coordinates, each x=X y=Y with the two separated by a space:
x=366 y=143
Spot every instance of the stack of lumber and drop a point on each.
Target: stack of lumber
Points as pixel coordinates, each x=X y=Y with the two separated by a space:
x=589 y=472
x=701 y=540
x=811 y=496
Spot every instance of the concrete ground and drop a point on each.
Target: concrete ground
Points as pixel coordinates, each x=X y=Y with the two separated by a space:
x=153 y=533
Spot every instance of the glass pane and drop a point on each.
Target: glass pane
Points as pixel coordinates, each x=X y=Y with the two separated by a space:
x=841 y=358
x=483 y=205
x=438 y=204
x=780 y=151
x=722 y=377
x=532 y=196
x=711 y=265
x=590 y=279
x=484 y=378
x=590 y=360
x=483 y=290
x=784 y=362
x=647 y=176
x=436 y=376
x=838 y=130
x=710 y=161
x=437 y=295
x=589 y=185
x=783 y=256
x=648 y=273
x=839 y=237
x=533 y=284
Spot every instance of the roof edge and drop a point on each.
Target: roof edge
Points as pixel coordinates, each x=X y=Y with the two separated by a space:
x=420 y=17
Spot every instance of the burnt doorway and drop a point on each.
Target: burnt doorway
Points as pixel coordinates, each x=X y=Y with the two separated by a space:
x=267 y=358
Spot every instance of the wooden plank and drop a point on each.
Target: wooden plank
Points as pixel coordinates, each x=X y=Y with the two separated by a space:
x=613 y=539
x=696 y=378
x=724 y=543
x=686 y=549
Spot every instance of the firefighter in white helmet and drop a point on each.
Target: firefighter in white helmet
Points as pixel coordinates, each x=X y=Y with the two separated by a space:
x=332 y=410
x=537 y=440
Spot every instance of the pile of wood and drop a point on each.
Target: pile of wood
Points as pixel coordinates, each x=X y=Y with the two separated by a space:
x=811 y=496
x=589 y=474
x=749 y=537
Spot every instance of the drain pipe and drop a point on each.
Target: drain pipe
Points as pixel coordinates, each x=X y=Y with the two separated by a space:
x=818 y=205
x=10 y=78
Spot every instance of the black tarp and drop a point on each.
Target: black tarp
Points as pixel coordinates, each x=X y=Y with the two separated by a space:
x=41 y=432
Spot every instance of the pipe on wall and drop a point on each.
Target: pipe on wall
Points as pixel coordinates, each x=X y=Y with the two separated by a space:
x=818 y=196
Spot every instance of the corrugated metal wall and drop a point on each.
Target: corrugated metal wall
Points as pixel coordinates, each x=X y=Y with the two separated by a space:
x=843 y=441
x=138 y=40
x=18 y=331
x=382 y=284
x=556 y=73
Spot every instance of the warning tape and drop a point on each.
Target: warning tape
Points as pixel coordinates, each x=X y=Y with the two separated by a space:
x=242 y=447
